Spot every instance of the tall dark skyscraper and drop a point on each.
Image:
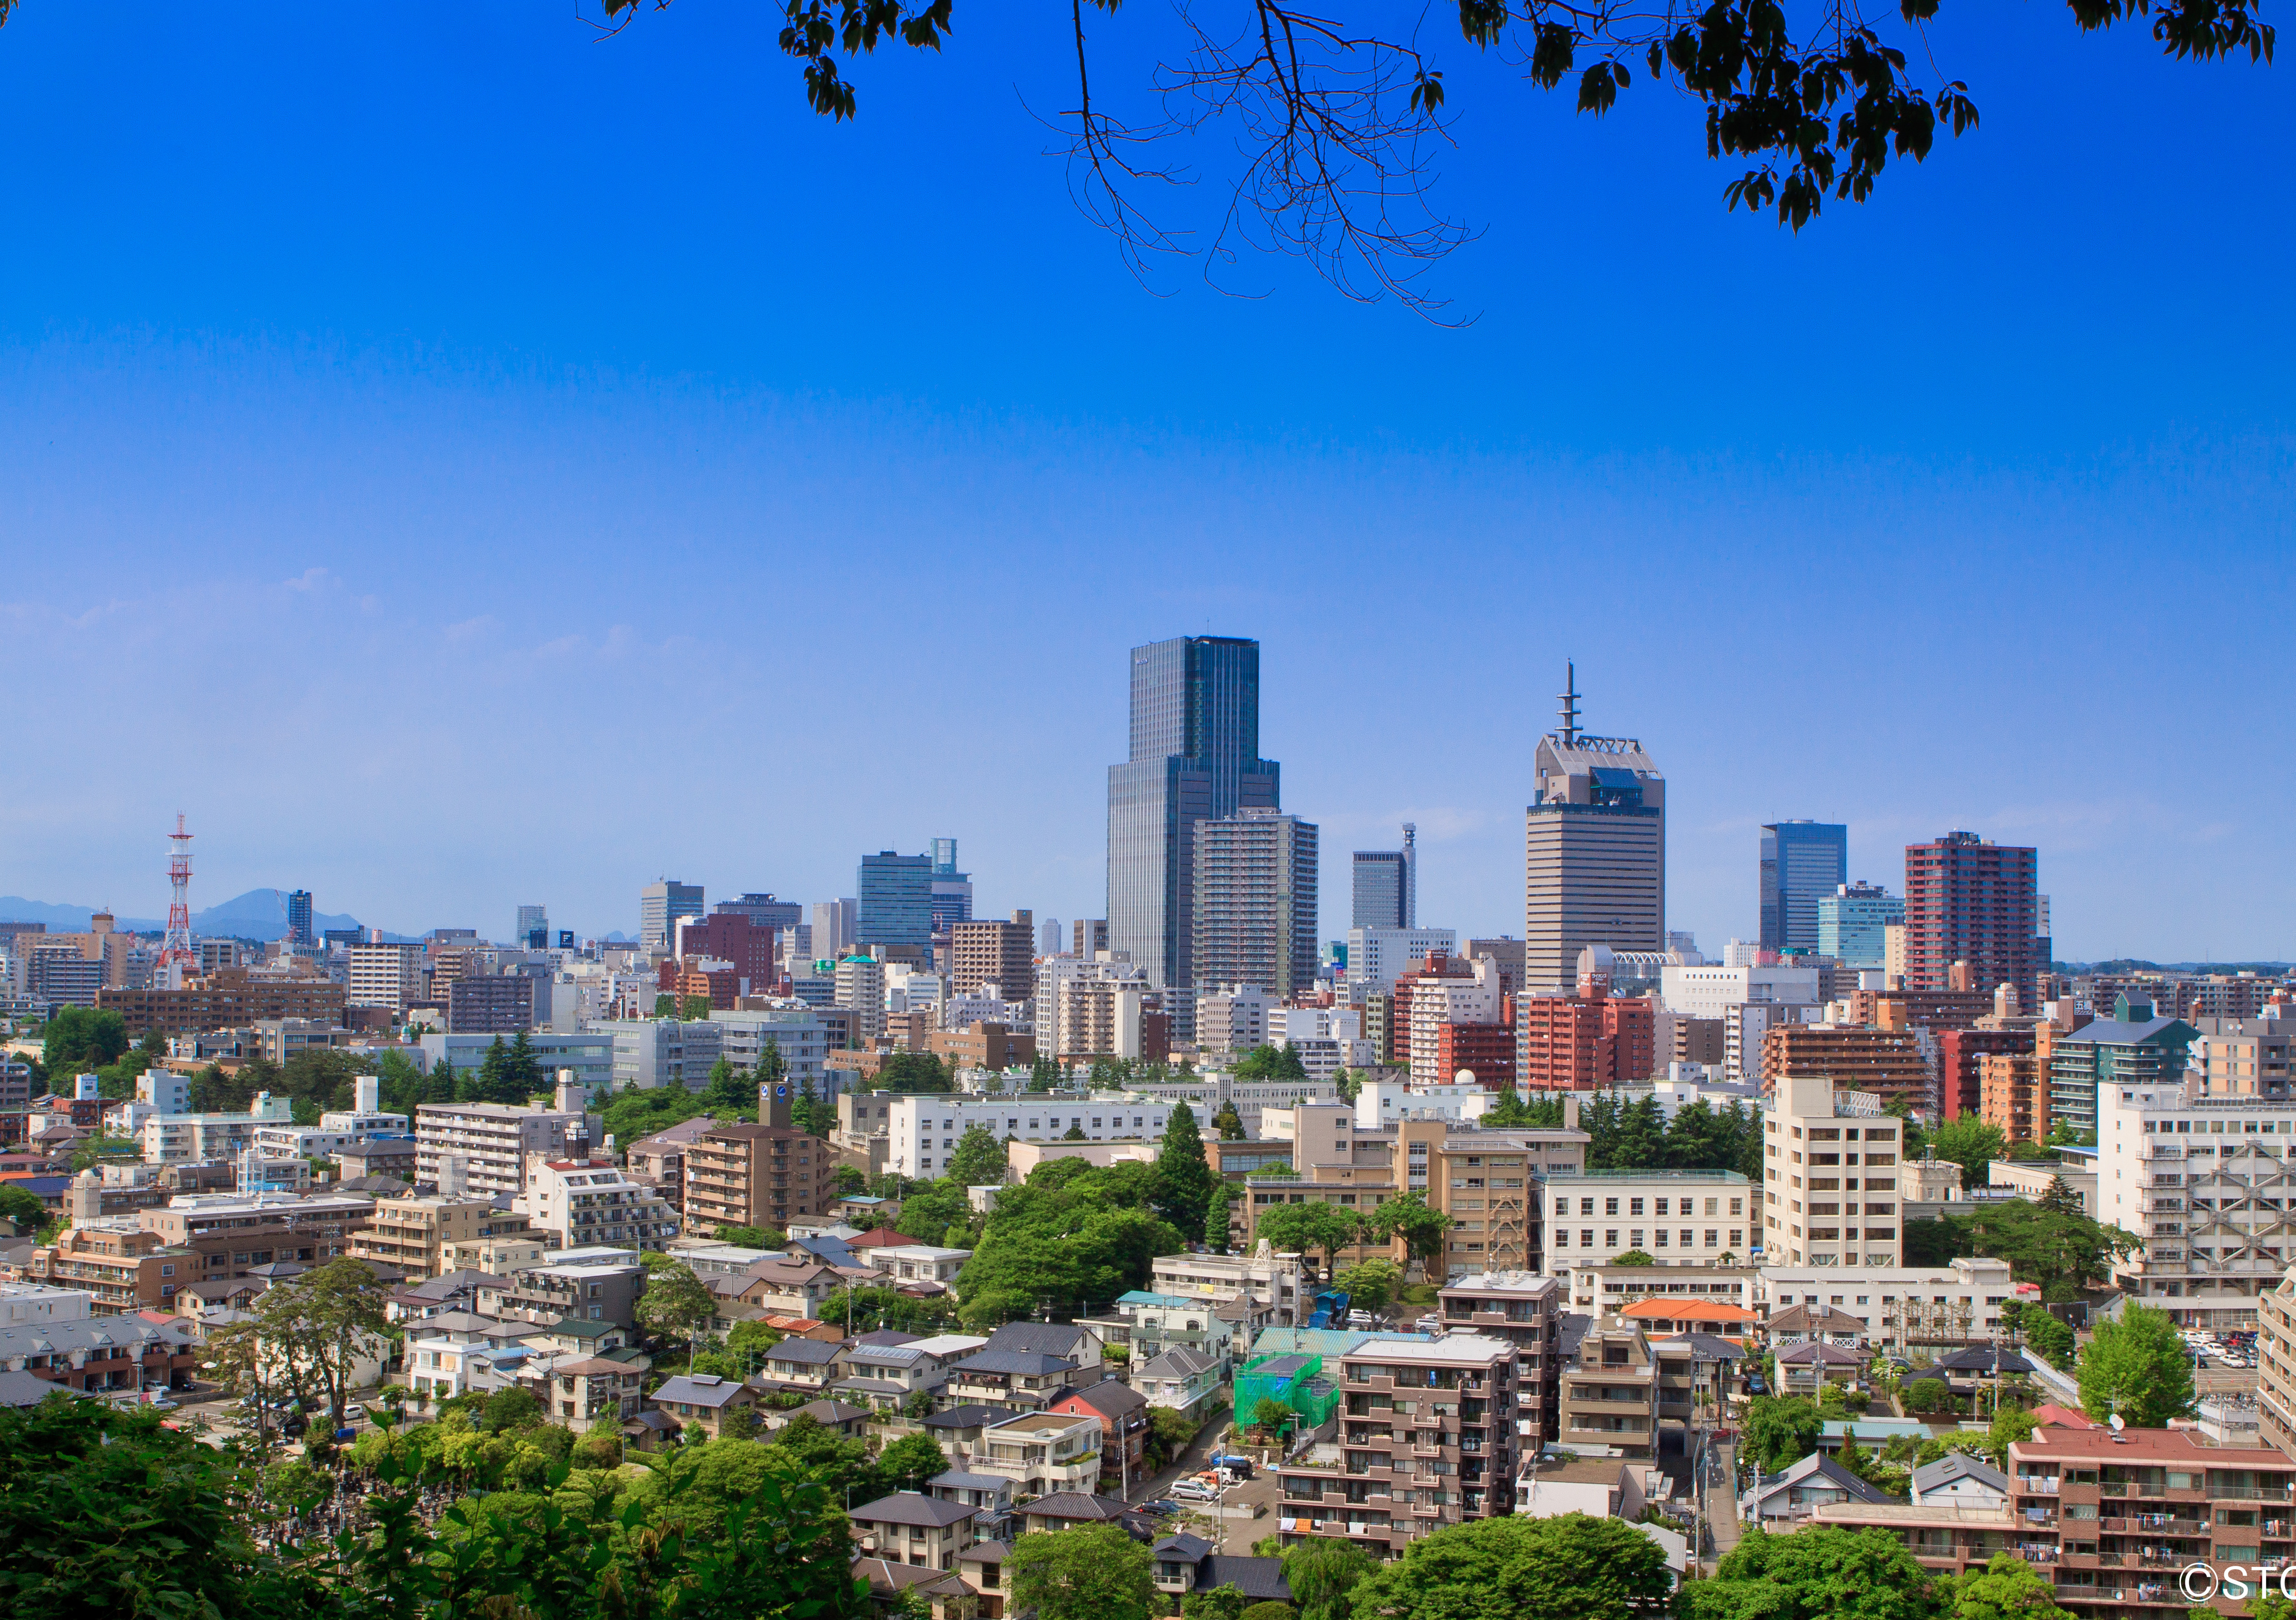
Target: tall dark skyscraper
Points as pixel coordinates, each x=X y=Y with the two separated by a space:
x=1387 y=885
x=1802 y=863
x=1195 y=756
x=299 y=919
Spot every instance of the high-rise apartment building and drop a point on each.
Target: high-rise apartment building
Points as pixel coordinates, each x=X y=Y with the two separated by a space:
x=1830 y=1174
x=1195 y=757
x=1802 y=863
x=1003 y=954
x=659 y=906
x=1379 y=957
x=299 y=919
x=897 y=903
x=1854 y=923
x=1969 y=900
x=1387 y=885
x=757 y=1175
x=1256 y=892
x=1595 y=850
x=1088 y=937
x=387 y=975
x=860 y=983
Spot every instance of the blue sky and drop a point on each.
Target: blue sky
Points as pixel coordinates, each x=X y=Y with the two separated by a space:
x=460 y=462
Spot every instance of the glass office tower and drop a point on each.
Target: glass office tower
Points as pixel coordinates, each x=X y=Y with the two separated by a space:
x=1195 y=755
x=1802 y=863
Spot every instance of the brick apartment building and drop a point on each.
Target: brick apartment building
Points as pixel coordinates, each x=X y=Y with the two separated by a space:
x=490 y=1004
x=757 y=1175
x=229 y=999
x=999 y=953
x=1526 y=1309
x=1585 y=1043
x=1426 y=1439
x=1888 y=1064
x=733 y=938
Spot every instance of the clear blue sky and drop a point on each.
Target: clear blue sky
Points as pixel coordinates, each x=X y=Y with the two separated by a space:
x=462 y=463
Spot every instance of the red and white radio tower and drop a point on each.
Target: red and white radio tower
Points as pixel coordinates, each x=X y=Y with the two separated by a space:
x=176 y=950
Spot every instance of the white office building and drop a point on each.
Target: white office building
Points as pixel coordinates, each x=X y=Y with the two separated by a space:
x=1235 y=1018
x=2205 y=1180
x=493 y=1142
x=386 y=975
x=1678 y=1218
x=924 y=1131
x=204 y=1138
x=802 y=1040
x=1383 y=1102
x=1712 y=991
x=861 y=990
x=654 y=1053
x=1378 y=957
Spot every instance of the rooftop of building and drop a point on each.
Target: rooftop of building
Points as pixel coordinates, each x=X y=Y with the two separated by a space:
x=1527 y=1283
x=1716 y=1177
x=911 y=1507
x=2142 y=1445
x=1462 y=1348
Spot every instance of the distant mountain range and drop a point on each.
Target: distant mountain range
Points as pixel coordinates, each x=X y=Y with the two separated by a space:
x=260 y=914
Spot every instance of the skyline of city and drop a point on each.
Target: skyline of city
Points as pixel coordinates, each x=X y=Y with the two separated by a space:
x=1236 y=711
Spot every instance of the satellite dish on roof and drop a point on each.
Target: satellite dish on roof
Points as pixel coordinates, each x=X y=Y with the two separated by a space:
x=2117 y=1424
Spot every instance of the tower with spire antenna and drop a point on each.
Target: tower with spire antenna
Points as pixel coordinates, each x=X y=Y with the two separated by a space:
x=1594 y=849
x=177 y=961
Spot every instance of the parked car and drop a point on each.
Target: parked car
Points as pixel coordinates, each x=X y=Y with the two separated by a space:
x=1162 y=1509
x=352 y=1408
x=1194 y=1491
x=1754 y=1384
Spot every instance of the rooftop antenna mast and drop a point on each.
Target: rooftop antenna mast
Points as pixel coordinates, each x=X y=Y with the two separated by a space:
x=177 y=960
x=1569 y=699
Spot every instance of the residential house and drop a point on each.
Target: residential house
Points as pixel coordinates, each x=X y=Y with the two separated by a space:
x=579 y=1390
x=1042 y=1453
x=1186 y=1380
x=909 y=1527
x=802 y=1363
x=1123 y=1414
x=835 y=1416
x=1015 y=1380
x=898 y=1588
x=957 y=1430
x=1810 y=1367
x=704 y=1401
x=990 y=1495
x=101 y=1352
x=1793 y=1492
x=1819 y=1324
x=1062 y=1509
x=1959 y=1480
x=917 y=1262
x=1184 y=1564
x=888 y=1376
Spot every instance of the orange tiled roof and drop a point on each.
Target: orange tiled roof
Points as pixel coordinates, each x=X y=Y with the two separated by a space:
x=1688 y=1310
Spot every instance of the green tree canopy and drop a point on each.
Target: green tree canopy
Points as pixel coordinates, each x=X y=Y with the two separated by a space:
x=1371 y=1285
x=1264 y=1062
x=1228 y=1122
x=1818 y=1572
x=1185 y=1185
x=24 y=1208
x=1425 y=1231
x=511 y=1407
x=1515 y=1568
x=1781 y=1430
x=677 y=1303
x=1072 y=1235
x=911 y=1462
x=2048 y=1337
x=1305 y=1227
x=1322 y=1573
x=929 y=1208
x=1089 y=1572
x=2063 y=1252
x=913 y=1074
x=2007 y=1588
x=2136 y=1365
x=1971 y=1143
x=980 y=1159
x=81 y=1040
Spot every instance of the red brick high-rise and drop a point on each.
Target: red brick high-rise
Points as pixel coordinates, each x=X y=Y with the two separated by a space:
x=734 y=938
x=1583 y=1043
x=1968 y=899
x=1961 y=1069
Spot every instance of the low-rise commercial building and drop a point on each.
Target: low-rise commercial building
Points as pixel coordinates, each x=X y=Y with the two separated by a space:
x=1685 y=1217
x=426 y=1238
x=1902 y=1308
